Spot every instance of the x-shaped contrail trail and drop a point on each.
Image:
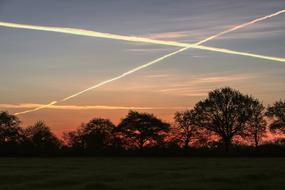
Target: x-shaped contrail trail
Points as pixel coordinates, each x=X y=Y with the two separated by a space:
x=82 y=32
x=187 y=46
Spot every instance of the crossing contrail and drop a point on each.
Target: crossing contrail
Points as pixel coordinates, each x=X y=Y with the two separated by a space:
x=37 y=108
x=83 y=32
x=155 y=61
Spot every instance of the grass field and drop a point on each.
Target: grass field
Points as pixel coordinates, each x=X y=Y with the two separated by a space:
x=142 y=173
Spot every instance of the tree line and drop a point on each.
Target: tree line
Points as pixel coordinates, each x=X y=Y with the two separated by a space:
x=225 y=122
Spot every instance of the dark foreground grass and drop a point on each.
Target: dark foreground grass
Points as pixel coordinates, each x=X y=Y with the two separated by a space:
x=142 y=173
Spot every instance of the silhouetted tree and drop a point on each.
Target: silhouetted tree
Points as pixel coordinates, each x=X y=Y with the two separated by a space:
x=277 y=114
x=74 y=139
x=185 y=121
x=97 y=134
x=143 y=128
x=11 y=134
x=41 y=139
x=279 y=141
x=226 y=112
x=256 y=128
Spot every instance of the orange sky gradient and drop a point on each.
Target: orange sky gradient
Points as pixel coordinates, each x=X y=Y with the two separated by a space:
x=39 y=66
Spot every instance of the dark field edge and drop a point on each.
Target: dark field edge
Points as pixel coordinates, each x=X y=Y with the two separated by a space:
x=262 y=151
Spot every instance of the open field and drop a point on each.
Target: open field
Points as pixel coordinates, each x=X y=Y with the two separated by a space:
x=142 y=173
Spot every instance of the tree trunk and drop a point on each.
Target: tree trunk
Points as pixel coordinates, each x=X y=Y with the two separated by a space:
x=256 y=140
x=227 y=143
x=141 y=143
x=186 y=143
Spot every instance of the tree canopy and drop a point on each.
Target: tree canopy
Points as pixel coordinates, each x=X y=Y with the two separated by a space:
x=143 y=128
x=97 y=134
x=226 y=112
x=11 y=134
x=185 y=121
x=225 y=120
x=277 y=114
x=41 y=139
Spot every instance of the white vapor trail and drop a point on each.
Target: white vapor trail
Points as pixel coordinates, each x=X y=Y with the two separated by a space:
x=124 y=74
x=169 y=55
x=103 y=83
x=83 y=32
x=84 y=107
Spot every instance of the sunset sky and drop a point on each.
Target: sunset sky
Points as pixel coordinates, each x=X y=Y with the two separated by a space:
x=38 y=67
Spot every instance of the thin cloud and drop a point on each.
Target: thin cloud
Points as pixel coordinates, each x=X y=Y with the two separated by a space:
x=172 y=85
x=148 y=50
x=200 y=85
x=259 y=32
x=192 y=92
x=158 y=76
x=77 y=107
x=172 y=82
x=216 y=79
x=168 y=35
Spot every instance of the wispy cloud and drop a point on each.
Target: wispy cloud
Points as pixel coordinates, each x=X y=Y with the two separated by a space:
x=200 y=85
x=181 y=85
x=158 y=76
x=78 y=107
x=185 y=91
x=217 y=24
x=168 y=35
x=270 y=29
x=148 y=50
x=216 y=79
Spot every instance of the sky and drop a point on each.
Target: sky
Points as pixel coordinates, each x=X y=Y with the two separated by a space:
x=37 y=67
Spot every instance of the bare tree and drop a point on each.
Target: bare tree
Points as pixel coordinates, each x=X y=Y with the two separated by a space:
x=277 y=114
x=226 y=112
x=186 y=123
x=256 y=128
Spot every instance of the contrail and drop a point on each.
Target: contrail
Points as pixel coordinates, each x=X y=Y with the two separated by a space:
x=104 y=82
x=84 y=107
x=242 y=26
x=178 y=51
x=239 y=27
x=83 y=32
x=37 y=108
x=155 y=61
x=124 y=74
